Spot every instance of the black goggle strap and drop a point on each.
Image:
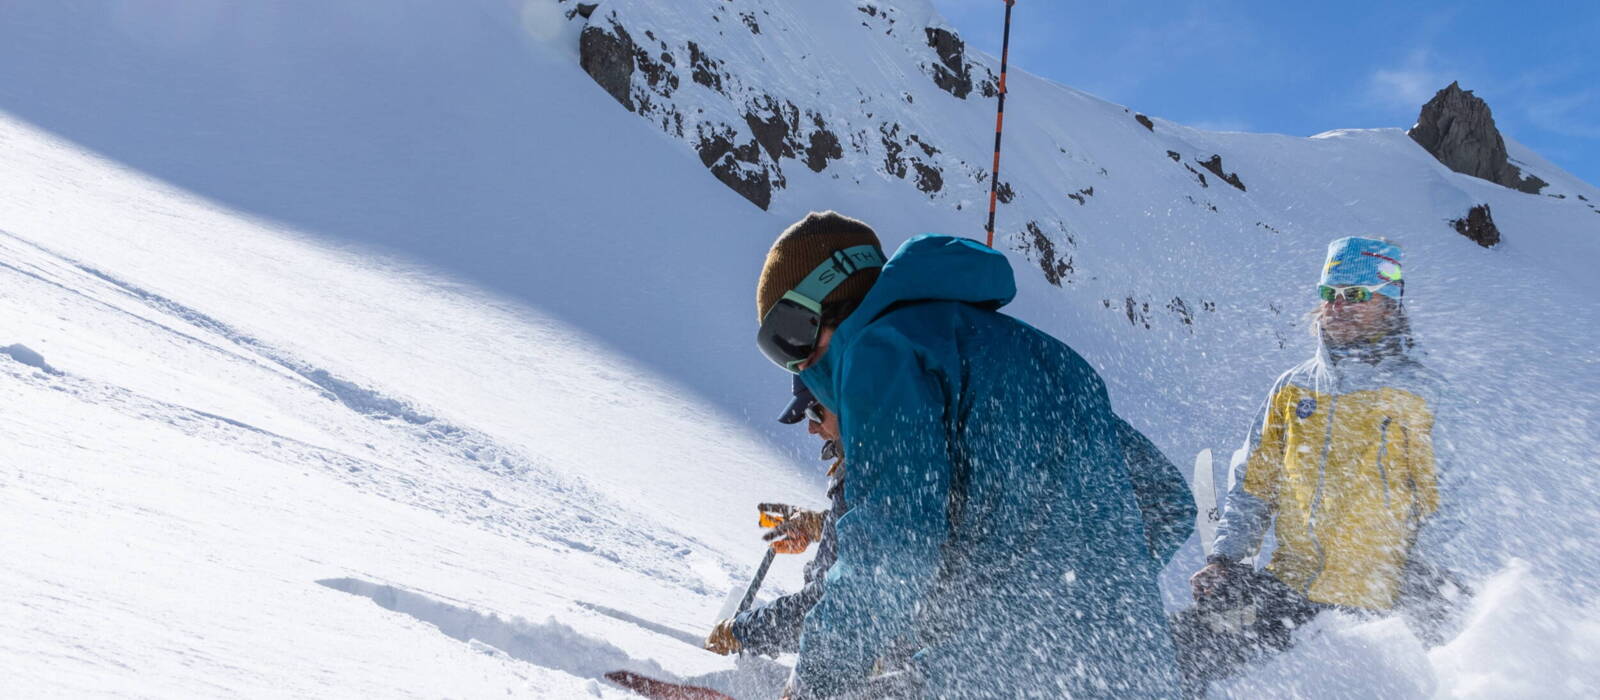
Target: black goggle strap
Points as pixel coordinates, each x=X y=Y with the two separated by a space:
x=833 y=272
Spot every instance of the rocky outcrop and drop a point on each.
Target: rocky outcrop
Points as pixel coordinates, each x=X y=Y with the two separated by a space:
x=1458 y=129
x=950 y=73
x=746 y=135
x=739 y=166
x=608 y=58
x=1214 y=164
x=823 y=146
x=1478 y=225
x=1035 y=244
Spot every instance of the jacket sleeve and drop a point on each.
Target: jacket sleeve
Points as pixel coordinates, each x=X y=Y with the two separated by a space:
x=889 y=541
x=1164 y=498
x=1253 y=494
x=774 y=628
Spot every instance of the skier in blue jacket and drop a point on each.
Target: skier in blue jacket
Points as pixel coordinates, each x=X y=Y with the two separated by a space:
x=993 y=527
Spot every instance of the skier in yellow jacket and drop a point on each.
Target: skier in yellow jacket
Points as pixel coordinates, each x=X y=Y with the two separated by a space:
x=1348 y=468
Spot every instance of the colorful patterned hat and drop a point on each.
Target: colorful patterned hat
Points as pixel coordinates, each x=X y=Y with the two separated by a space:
x=1366 y=262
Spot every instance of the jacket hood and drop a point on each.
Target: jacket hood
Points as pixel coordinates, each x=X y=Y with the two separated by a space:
x=929 y=267
x=933 y=267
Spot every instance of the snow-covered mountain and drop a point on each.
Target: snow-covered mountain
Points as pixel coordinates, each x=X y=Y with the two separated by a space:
x=448 y=305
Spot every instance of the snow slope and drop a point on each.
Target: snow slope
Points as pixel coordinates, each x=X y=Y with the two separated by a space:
x=393 y=301
x=178 y=484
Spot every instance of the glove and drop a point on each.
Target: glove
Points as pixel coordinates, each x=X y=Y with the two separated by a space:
x=721 y=639
x=793 y=529
x=1433 y=600
x=1221 y=578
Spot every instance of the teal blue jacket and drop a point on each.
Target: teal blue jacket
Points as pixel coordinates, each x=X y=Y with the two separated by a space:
x=993 y=525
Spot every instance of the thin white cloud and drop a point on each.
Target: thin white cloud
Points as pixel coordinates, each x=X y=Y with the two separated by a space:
x=1409 y=84
x=1568 y=115
x=1224 y=124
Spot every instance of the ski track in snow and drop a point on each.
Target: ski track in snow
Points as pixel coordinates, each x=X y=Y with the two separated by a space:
x=554 y=645
x=561 y=512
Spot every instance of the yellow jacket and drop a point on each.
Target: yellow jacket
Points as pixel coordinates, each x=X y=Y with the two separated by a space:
x=1343 y=464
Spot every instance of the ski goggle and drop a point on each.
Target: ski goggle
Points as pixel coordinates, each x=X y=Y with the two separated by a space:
x=1355 y=293
x=789 y=331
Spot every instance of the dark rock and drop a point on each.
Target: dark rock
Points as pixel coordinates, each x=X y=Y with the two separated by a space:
x=586 y=9
x=893 y=162
x=1177 y=306
x=927 y=148
x=752 y=184
x=1478 y=225
x=951 y=73
x=714 y=145
x=1138 y=313
x=1004 y=193
x=1082 y=195
x=1457 y=128
x=662 y=79
x=1197 y=175
x=703 y=69
x=608 y=58
x=1174 y=156
x=737 y=166
x=824 y=146
x=750 y=21
x=1214 y=164
x=1055 y=268
x=1145 y=121
x=929 y=179
x=1198 y=203
x=773 y=132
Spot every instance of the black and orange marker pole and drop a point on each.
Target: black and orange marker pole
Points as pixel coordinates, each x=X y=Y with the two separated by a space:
x=999 y=122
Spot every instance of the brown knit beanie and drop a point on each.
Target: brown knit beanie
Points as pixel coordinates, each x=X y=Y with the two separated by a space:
x=804 y=246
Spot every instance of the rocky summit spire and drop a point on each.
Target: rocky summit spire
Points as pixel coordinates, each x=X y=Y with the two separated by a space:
x=1458 y=129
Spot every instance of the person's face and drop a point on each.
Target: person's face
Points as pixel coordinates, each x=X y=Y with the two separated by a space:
x=828 y=427
x=1351 y=323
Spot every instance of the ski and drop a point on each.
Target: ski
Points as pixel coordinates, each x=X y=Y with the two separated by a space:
x=1235 y=469
x=1205 y=501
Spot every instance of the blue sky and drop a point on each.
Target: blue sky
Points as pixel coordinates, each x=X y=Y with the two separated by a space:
x=1301 y=68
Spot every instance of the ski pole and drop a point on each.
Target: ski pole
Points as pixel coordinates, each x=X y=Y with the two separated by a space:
x=999 y=121
x=755 y=583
